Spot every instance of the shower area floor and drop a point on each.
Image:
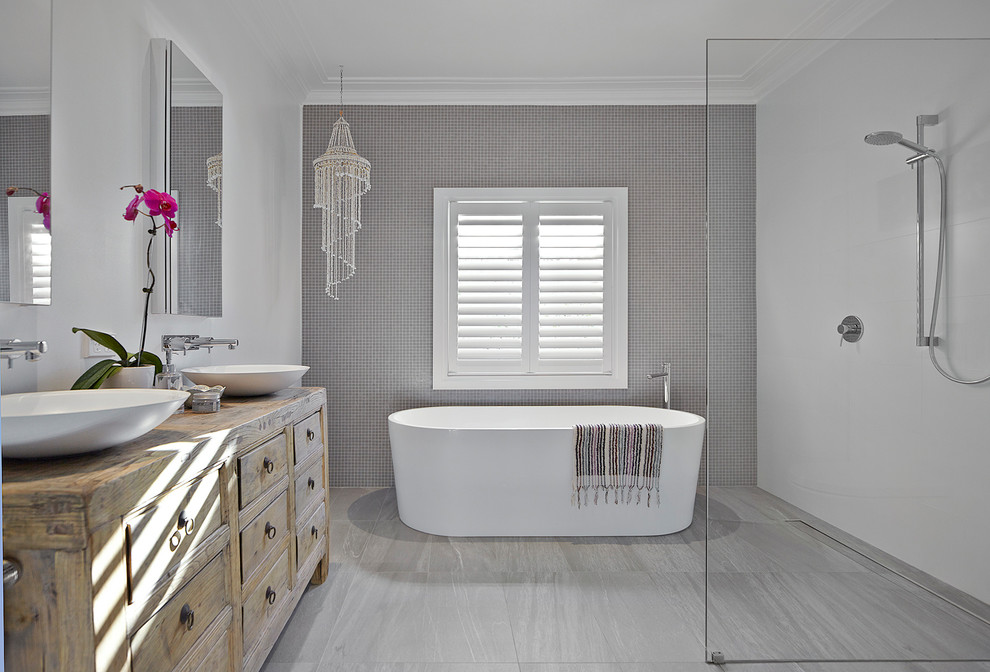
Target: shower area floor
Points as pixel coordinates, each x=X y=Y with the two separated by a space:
x=398 y=600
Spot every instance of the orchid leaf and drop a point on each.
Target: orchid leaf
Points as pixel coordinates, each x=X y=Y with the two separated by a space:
x=152 y=359
x=95 y=375
x=106 y=340
x=147 y=359
x=112 y=371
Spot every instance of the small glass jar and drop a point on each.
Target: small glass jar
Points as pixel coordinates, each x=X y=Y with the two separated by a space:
x=205 y=402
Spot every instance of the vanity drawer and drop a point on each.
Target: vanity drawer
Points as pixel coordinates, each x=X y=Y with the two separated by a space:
x=310 y=538
x=307 y=437
x=217 y=657
x=261 y=467
x=160 y=536
x=261 y=606
x=263 y=534
x=168 y=635
x=309 y=486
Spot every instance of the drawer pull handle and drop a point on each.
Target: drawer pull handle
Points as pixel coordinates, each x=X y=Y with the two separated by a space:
x=175 y=540
x=270 y=595
x=11 y=571
x=268 y=465
x=270 y=531
x=186 y=523
x=315 y=532
x=187 y=616
x=310 y=435
x=312 y=483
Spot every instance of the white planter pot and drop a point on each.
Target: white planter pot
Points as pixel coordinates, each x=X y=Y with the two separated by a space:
x=132 y=376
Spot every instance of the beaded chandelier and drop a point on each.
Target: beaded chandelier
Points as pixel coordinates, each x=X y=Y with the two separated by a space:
x=342 y=177
x=214 y=179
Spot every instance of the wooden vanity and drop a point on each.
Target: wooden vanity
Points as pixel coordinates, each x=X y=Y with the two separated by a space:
x=185 y=550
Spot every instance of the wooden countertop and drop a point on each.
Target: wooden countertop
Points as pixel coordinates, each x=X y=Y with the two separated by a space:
x=74 y=495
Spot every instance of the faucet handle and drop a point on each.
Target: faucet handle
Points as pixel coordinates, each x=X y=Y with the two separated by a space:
x=177 y=342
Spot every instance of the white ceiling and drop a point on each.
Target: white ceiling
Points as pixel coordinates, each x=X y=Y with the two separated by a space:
x=494 y=51
x=522 y=51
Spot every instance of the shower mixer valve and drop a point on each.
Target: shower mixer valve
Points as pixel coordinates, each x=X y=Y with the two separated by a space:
x=850 y=329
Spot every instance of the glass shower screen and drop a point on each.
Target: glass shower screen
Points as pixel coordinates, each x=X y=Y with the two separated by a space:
x=845 y=476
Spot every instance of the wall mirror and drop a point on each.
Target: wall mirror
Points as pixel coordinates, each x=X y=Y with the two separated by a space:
x=187 y=126
x=25 y=150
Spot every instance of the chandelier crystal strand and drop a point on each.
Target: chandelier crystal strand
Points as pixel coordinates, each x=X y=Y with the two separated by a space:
x=214 y=179
x=342 y=177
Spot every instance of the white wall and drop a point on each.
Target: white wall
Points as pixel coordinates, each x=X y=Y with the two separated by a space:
x=868 y=436
x=99 y=129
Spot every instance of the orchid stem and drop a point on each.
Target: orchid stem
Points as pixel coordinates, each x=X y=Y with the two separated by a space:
x=147 y=294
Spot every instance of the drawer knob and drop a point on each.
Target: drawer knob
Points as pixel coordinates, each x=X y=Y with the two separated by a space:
x=268 y=465
x=270 y=531
x=315 y=532
x=187 y=616
x=270 y=595
x=310 y=435
x=185 y=522
x=312 y=483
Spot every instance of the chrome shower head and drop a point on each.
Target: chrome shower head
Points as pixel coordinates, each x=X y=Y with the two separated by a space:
x=883 y=138
x=893 y=137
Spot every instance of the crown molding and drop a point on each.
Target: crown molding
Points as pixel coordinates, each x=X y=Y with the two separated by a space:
x=834 y=21
x=25 y=100
x=515 y=91
x=195 y=92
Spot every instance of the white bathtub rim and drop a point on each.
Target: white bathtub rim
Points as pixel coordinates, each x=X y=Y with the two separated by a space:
x=407 y=417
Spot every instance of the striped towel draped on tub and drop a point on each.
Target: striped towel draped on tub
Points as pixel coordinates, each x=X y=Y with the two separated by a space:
x=617 y=460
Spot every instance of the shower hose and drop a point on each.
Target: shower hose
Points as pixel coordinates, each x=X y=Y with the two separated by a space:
x=942 y=233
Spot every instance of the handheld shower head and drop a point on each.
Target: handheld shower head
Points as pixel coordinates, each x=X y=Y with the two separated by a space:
x=893 y=137
x=883 y=138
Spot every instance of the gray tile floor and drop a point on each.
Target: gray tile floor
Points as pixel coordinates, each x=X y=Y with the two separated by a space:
x=398 y=600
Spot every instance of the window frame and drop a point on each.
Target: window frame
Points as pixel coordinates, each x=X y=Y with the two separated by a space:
x=446 y=376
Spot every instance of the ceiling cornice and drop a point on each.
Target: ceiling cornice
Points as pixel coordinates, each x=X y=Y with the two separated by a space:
x=803 y=46
x=195 y=92
x=24 y=100
x=515 y=91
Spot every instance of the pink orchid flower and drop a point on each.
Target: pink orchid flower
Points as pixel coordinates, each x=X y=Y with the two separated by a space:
x=131 y=211
x=170 y=226
x=43 y=206
x=160 y=204
x=153 y=200
x=168 y=207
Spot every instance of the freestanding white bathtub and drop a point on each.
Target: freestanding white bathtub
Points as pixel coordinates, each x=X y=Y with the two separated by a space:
x=481 y=471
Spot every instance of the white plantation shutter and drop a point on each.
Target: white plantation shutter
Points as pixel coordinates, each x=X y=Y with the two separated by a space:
x=572 y=286
x=40 y=264
x=29 y=253
x=488 y=324
x=529 y=288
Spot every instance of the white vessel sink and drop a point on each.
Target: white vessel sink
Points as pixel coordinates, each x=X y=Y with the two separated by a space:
x=247 y=380
x=48 y=424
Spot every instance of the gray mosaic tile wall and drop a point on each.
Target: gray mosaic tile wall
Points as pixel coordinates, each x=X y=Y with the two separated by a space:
x=731 y=423
x=197 y=134
x=372 y=348
x=25 y=161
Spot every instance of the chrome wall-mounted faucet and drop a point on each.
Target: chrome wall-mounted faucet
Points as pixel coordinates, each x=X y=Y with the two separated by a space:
x=14 y=348
x=185 y=342
x=664 y=373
